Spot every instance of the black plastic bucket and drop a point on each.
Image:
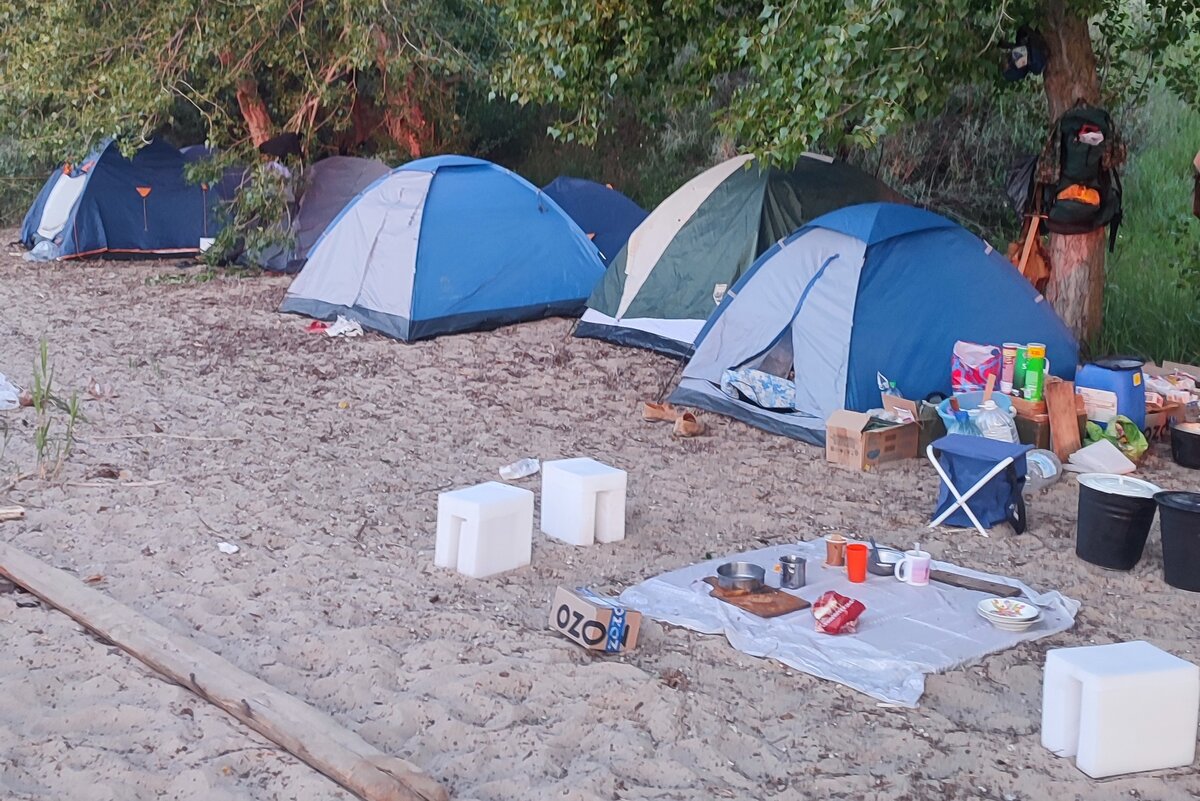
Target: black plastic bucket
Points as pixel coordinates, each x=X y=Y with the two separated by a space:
x=1180 y=518
x=1115 y=513
x=1185 y=445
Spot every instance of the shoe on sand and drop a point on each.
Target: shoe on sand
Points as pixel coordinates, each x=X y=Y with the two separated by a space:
x=686 y=425
x=659 y=412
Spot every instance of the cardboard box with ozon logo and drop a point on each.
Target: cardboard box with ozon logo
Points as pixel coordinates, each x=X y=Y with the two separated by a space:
x=595 y=622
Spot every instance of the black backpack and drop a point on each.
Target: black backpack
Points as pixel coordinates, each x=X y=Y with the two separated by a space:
x=1079 y=187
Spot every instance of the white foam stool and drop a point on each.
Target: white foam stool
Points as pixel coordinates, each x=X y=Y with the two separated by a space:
x=1120 y=708
x=485 y=529
x=583 y=501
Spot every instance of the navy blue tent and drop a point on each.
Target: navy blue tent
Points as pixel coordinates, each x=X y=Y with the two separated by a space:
x=231 y=177
x=111 y=205
x=604 y=214
x=868 y=289
x=446 y=244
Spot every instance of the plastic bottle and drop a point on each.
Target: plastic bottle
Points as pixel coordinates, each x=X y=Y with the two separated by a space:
x=891 y=390
x=520 y=469
x=995 y=423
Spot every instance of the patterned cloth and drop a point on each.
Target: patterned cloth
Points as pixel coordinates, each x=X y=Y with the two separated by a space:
x=762 y=389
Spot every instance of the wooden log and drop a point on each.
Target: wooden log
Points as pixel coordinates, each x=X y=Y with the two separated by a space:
x=11 y=513
x=309 y=735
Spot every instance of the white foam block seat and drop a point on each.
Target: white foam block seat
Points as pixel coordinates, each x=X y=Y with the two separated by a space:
x=583 y=501
x=1120 y=708
x=485 y=529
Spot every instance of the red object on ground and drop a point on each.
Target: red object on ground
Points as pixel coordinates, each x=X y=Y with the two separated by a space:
x=316 y=327
x=837 y=614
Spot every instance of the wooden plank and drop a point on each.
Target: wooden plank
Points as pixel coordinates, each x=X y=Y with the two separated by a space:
x=309 y=735
x=767 y=602
x=972 y=583
x=1064 y=422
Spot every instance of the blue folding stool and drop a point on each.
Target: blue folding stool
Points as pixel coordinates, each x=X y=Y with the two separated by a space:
x=993 y=471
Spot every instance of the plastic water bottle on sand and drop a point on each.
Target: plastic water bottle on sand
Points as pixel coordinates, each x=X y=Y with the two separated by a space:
x=520 y=469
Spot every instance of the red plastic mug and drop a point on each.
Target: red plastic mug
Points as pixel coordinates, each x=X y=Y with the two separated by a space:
x=856 y=562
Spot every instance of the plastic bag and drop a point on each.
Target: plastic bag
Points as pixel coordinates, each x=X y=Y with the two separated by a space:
x=1122 y=432
x=971 y=365
x=837 y=614
x=10 y=394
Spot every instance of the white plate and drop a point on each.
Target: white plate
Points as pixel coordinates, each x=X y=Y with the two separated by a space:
x=1008 y=609
x=1009 y=625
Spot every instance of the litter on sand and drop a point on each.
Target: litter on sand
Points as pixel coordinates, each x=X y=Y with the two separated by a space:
x=344 y=327
x=227 y=547
x=10 y=394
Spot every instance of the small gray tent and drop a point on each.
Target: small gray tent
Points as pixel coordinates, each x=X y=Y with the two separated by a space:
x=328 y=187
x=675 y=268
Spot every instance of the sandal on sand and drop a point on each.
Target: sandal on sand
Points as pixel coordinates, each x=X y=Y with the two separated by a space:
x=686 y=425
x=659 y=412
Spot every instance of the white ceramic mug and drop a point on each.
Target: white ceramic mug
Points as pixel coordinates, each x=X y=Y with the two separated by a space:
x=913 y=568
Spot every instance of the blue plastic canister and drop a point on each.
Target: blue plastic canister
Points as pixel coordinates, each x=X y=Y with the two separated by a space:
x=1113 y=386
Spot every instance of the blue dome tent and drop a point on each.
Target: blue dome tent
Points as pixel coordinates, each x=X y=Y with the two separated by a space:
x=446 y=244
x=605 y=215
x=113 y=206
x=874 y=288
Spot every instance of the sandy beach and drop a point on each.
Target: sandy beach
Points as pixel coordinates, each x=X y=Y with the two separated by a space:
x=321 y=459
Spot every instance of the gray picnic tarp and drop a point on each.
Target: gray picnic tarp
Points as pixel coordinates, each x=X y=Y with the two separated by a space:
x=905 y=633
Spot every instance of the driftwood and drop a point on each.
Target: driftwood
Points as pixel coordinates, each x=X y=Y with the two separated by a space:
x=311 y=736
x=11 y=513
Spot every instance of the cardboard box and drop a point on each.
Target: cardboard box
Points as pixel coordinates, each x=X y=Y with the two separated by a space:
x=1158 y=424
x=1035 y=430
x=595 y=622
x=848 y=444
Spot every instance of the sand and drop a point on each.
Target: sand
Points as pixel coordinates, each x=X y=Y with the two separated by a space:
x=322 y=459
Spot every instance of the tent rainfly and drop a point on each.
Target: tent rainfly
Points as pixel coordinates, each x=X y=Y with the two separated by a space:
x=113 y=206
x=676 y=266
x=876 y=288
x=447 y=244
x=605 y=215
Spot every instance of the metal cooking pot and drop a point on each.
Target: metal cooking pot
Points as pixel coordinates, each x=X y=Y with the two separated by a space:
x=744 y=576
x=882 y=561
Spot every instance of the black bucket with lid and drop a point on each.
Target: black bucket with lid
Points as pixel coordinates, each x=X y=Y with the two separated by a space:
x=1179 y=515
x=1115 y=514
x=1185 y=445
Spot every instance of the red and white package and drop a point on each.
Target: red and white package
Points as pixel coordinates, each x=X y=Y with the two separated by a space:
x=837 y=614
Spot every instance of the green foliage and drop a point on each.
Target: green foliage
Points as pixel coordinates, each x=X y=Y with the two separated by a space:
x=52 y=449
x=73 y=72
x=1152 y=300
x=783 y=77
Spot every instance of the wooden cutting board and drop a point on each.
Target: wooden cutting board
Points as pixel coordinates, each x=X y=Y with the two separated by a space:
x=970 y=583
x=1064 y=424
x=766 y=602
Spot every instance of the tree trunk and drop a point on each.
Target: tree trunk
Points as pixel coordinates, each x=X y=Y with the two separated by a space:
x=254 y=111
x=1076 y=286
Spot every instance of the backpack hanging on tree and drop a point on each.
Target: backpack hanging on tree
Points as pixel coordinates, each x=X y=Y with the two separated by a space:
x=1078 y=183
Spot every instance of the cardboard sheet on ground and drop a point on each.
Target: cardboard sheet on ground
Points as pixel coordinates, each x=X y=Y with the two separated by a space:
x=905 y=633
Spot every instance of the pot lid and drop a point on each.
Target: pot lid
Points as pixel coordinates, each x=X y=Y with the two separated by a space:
x=1183 y=501
x=1120 y=485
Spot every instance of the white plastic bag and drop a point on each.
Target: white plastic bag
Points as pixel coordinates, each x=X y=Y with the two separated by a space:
x=10 y=395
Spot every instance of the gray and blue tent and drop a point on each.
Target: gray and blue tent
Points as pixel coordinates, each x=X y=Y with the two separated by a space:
x=875 y=288
x=447 y=244
x=326 y=187
x=663 y=285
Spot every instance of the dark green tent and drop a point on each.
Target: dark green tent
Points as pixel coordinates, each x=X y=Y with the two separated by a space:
x=660 y=289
